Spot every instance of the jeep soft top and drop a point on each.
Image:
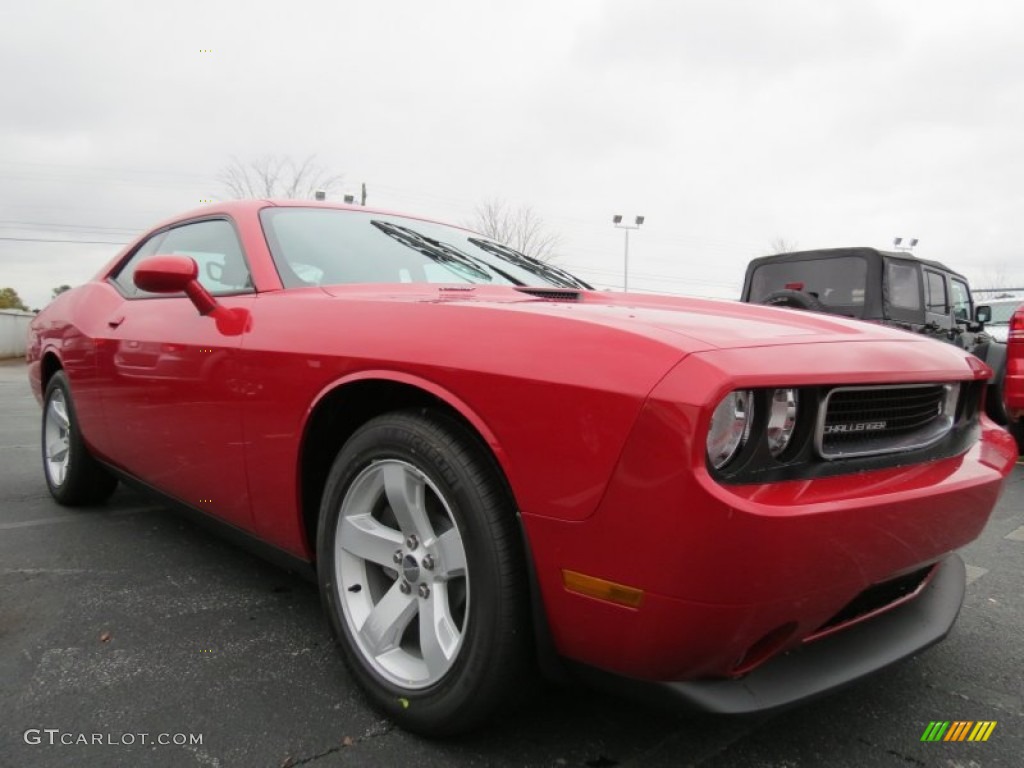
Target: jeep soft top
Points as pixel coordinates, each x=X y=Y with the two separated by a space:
x=847 y=281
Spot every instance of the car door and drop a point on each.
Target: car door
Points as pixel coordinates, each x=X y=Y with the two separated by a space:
x=936 y=300
x=169 y=375
x=963 y=307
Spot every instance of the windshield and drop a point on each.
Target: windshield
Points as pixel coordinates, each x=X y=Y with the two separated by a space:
x=323 y=246
x=1002 y=312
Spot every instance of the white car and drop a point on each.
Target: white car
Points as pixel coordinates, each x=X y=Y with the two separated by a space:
x=1002 y=311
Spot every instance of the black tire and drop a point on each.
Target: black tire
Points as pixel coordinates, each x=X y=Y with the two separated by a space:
x=794 y=300
x=995 y=408
x=73 y=476
x=1016 y=428
x=462 y=517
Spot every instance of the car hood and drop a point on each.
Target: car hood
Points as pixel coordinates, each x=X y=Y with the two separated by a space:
x=998 y=331
x=689 y=324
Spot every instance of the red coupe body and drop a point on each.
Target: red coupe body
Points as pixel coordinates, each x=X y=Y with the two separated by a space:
x=645 y=559
x=1014 y=390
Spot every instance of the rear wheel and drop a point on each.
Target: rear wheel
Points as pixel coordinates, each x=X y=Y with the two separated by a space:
x=73 y=476
x=422 y=573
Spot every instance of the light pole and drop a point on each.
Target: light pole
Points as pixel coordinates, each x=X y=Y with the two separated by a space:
x=617 y=221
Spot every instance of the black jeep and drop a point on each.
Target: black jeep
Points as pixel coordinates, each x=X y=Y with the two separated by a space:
x=896 y=289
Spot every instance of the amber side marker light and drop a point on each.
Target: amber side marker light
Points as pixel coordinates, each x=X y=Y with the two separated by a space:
x=609 y=591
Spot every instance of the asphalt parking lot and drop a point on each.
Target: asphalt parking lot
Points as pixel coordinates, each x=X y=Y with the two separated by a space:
x=129 y=620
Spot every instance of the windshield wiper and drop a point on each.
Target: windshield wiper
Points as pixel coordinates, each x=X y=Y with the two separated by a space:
x=535 y=266
x=441 y=253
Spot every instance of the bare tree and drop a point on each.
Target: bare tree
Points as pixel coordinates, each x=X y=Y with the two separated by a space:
x=781 y=245
x=520 y=228
x=276 y=176
x=995 y=278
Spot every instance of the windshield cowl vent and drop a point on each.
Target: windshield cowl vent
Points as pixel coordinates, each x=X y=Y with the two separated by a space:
x=550 y=294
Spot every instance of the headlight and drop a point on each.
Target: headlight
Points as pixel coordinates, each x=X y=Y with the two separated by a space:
x=730 y=427
x=781 y=420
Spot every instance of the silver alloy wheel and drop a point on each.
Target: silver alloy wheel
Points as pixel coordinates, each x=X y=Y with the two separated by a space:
x=400 y=570
x=57 y=437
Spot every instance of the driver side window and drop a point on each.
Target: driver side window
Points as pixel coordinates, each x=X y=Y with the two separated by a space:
x=212 y=244
x=961 y=300
x=215 y=249
x=125 y=276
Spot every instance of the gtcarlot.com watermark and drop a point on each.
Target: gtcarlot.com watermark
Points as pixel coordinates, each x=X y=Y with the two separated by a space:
x=56 y=737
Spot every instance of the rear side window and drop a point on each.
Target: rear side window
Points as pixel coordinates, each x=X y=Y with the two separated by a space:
x=837 y=282
x=902 y=281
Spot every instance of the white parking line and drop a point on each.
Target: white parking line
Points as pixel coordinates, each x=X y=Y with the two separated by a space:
x=33 y=523
x=975 y=572
x=72 y=518
x=1017 y=535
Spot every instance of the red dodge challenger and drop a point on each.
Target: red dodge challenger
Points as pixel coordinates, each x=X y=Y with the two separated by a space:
x=488 y=467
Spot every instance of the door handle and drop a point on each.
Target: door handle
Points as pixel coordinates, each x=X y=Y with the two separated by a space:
x=116 y=321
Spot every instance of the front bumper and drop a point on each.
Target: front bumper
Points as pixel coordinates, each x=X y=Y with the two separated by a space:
x=820 y=666
x=731 y=576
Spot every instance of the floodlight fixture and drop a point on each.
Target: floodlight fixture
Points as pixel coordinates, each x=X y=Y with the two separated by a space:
x=904 y=245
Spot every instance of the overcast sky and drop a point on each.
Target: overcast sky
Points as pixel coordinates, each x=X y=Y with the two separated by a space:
x=727 y=123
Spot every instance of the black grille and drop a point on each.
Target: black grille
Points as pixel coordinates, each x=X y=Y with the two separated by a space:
x=860 y=421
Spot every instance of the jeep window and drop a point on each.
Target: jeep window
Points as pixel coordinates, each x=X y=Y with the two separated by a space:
x=935 y=293
x=962 y=309
x=902 y=281
x=837 y=282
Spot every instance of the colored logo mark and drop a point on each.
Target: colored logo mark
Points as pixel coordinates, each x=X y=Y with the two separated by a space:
x=958 y=730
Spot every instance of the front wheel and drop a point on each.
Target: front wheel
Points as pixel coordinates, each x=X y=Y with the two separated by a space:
x=73 y=476
x=422 y=573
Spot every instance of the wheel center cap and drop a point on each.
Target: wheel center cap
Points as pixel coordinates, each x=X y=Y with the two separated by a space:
x=410 y=569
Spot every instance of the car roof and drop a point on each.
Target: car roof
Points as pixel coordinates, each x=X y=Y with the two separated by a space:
x=257 y=204
x=864 y=252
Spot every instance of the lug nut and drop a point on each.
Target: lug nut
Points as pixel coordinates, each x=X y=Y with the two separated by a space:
x=411 y=542
x=428 y=562
x=397 y=557
x=404 y=586
x=424 y=590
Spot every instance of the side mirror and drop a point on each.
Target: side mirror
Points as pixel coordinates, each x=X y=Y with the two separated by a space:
x=174 y=274
x=983 y=314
